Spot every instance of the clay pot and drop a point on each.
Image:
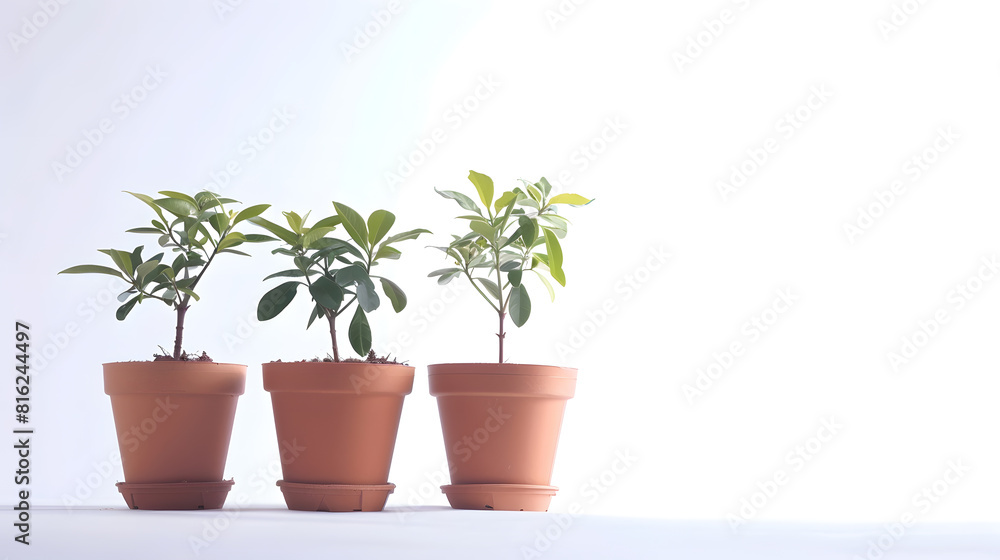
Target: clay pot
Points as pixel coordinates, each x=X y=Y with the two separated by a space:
x=174 y=421
x=501 y=425
x=336 y=425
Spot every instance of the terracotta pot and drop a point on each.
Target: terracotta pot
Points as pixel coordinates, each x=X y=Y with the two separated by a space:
x=501 y=425
x=174 y=421
x=336 y=425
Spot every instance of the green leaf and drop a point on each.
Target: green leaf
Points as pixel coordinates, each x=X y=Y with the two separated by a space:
x=303 y=263
x=327 y=293
x=258 y=238
x=92 y=269
x=332 y=221
x=441 y=271
x=491 y=287
x=124 y=310
x=445 y=278
x=528 y=201
x=282 y=233
x=294 y=221
x=177 y=207
x=367 y=298
x=179 y=264
x=379 y=224
x=145 y=268
x=156 y=274
x=505 y=200
x=180 y=196
x=555 y=257
x=515 y=277
x=543 y=184
x=510 y=266
x=136 y=256
x=152 y=204
x=355 y=275
x=205 y=198
x=336 y=245
x=528 y=229
x=520 y=305
x=484 y=185
x=405 y=236
x=554 y=220
x=387 y=252
x=122 y=259
x=231 y=240
x=219 y=222
x=394 y=293
x=313 y=235
x=484 y=229
x=235 y=252
x=461 y=199
x=286 y=274
x=482 y=261
x=276 y=300
x=535 y=194
x=250 y=212
x=316 y=313
x=514 y=237
x=571 y=199
x=360 y=333
x=353 y=223
x=144 y=230
x=548 y=285
x=190 y=293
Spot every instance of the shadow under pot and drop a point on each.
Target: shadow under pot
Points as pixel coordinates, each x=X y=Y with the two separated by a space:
x=336 y=424
x=501 y=425
x=174 y=422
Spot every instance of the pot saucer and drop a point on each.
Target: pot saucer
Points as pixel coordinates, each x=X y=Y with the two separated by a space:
x=175 y=495
x=335 y=497
x=504 y=497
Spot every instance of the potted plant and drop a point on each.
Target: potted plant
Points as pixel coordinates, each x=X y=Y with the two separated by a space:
x=340 y=415
x=174 y=415
x=501 y=421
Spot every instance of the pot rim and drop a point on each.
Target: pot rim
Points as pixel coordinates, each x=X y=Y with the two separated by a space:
x=338 y=377
x=169 y=377
x=506 y=369
x=331 y=364
x=173 y=362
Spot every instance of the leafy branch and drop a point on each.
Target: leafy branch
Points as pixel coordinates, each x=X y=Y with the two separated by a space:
x=505 y=239
x=199 y=228
x=336 y=272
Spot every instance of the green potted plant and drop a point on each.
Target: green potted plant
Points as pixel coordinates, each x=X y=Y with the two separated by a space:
x=501 y=421
x=174 y=415
x=341 y=415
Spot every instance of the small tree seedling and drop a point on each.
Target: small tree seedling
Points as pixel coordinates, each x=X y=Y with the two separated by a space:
x=505 y=236
x=336 y=272
x=199 y=228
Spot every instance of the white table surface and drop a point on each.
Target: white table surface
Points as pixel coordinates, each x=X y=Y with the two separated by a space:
x=440 y=532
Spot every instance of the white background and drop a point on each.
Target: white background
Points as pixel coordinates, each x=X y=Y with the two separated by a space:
x=559 y=82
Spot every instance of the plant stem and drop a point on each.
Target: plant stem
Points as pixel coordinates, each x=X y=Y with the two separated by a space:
x=333 y=334
x=179 y=337
x=182 y=307
x=501 y=335
x=502 y=304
